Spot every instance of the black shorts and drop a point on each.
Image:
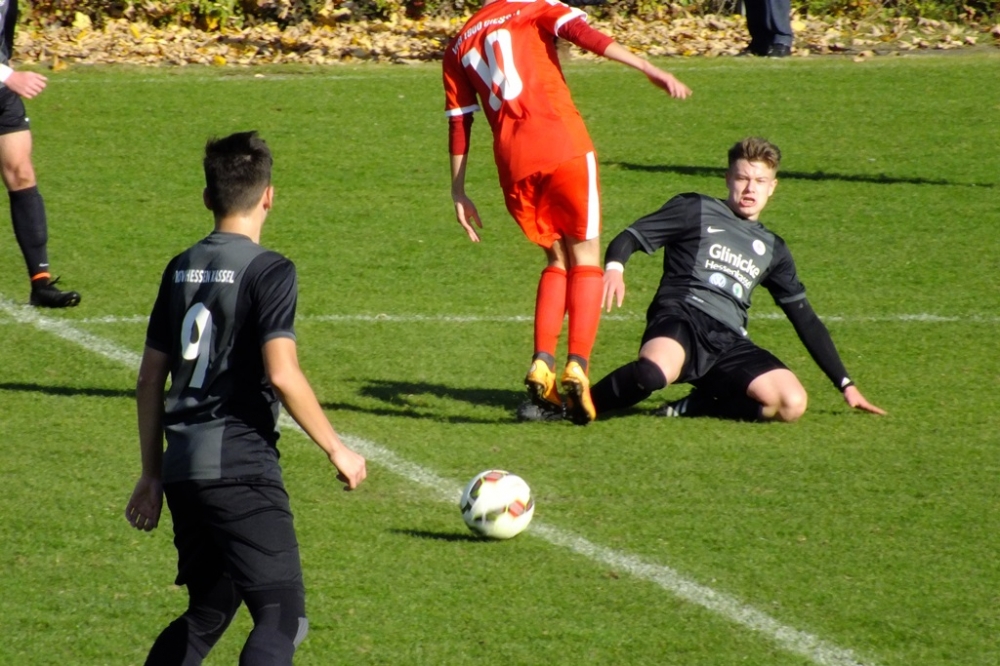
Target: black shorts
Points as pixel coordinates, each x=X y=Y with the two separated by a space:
x=238 y=528
x=717 y=358
x=13 y=117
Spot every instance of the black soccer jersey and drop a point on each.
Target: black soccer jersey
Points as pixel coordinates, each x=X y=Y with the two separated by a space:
x=218 y=303
x=8 y=22
x=715 y=259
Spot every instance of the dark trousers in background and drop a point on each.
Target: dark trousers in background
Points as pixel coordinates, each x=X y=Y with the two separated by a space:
x=769 y=23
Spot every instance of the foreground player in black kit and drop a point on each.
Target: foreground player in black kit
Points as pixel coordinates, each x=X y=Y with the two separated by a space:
x=222 y=327
x=716 y=254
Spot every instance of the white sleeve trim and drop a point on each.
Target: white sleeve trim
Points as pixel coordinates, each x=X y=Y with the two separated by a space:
x=461 y=111
x=573 y=13
x=5 y=72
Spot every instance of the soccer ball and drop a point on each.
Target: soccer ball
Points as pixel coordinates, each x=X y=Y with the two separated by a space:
x=497 y=504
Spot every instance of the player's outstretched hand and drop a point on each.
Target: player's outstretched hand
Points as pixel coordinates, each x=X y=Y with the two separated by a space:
x=854 y=398
x=26 y=84
x=144 y=507
x=667 y=81
x=614 y=288
x=351 y=468
x=466 y=213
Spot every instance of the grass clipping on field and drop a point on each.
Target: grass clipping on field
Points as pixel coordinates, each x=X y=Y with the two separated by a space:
x=404 y=40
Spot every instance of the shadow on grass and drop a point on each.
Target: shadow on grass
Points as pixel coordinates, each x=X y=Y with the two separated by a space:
x=720 y=172
x=397 y=392
x=439 y=536
x=398 y=399
x=628 y=412
x=66 y=390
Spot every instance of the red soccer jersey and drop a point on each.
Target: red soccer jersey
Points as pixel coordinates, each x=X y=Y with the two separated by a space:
x=504 y=63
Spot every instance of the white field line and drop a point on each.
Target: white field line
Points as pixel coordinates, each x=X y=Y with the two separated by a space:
x=920 y=318
x=241 y=74
x=23 y=314
x=798 y=642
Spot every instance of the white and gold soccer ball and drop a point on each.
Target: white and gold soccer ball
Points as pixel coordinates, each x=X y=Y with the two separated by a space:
x=497 y=504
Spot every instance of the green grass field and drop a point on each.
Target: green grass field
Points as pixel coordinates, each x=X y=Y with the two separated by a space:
x=842 y=539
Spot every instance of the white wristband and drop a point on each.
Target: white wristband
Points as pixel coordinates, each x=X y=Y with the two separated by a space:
x=615 y=266
x=5 y=73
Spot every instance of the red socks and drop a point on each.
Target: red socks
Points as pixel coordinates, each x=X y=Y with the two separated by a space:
x=579 y=292
x=585 y=291
x=550 y=310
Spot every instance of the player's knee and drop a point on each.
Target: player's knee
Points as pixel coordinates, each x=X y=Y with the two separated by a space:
x=649 y=376
x=208 y=623
x=280 y=625
x=192 y=635
x=211 y=610
x=793 y=406
x=18 y=176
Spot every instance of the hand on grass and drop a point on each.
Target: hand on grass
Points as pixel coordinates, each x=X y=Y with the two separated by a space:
x=854 y=398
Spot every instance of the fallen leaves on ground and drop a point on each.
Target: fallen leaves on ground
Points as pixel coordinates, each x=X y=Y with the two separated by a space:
x=404 y=40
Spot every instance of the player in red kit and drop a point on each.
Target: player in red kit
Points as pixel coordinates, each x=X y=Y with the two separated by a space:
x=504 y=63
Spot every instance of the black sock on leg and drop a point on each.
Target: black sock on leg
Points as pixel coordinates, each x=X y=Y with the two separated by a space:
x=545 y=357
x=628 y=385
x=27 y=214
x=699 y=402
x=737 y=407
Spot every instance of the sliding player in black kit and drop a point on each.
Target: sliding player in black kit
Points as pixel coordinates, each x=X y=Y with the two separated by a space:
x=717 y=253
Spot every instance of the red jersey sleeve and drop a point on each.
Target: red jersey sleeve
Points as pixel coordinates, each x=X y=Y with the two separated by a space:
x=459 y=133
x=459 y=94
x=577 y=31
x=570 y=23
x=460 y=102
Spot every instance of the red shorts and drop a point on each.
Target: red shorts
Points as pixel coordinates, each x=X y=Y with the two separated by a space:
x=566 y=201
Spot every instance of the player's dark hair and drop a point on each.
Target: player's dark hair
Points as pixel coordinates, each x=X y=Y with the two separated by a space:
x=237 y=171
x=755 y=149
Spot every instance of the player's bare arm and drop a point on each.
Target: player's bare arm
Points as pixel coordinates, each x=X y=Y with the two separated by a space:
x=146 y=503
x=659 y=78
x=857 y=401
x=281 y=363
x=465 y=209
x=26 y=84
